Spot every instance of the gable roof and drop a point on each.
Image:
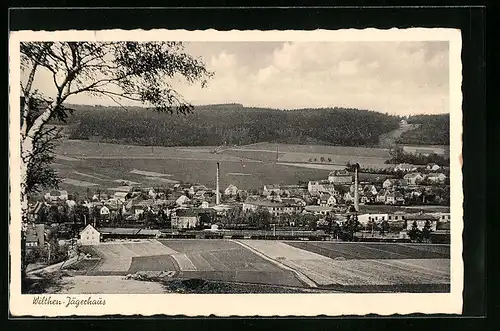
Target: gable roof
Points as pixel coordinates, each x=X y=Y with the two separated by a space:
x=90 y=227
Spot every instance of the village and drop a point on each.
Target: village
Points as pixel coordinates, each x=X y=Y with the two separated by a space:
x=392 y=209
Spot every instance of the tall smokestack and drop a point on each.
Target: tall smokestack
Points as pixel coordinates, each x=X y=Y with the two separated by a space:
x=356 y=184
x=217 y=187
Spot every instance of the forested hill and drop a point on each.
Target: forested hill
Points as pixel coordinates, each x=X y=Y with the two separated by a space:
x=231 y=124
x=433 y=130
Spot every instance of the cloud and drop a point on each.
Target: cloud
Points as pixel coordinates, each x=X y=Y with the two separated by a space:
x=394 y=77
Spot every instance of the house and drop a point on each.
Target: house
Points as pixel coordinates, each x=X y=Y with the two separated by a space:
x=104 y=211
x=314 y=187
x=394 y=198
x=274 y=208
x=120 y=196
x=35 y=212
x=318 y=210
x=442 y=217
x=370 y=188
x=231 y=190
x=204 y=204
x=381 y=196
x=33 y=237
x=403 y=122
x=366 y=198
x=340 y=177
x=327 y=200
x=405 y=167
x=413 y=178
x=352 y=187
x=377 y=218
x=182 y=200
x=399 y=198
x=348 y=196
x=389 y=183
x=420 y=219
x=185 y=219
x=329 y=189
x=195 y=188
x=268 y=189
x=89 y=236
x=56 y=195
x=433 y=167
x=436 y=177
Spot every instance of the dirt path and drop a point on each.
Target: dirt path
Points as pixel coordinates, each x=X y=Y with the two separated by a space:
x=388 y=140
x=106 y=285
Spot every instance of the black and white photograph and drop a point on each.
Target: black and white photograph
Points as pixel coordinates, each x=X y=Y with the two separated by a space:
x=296 y=166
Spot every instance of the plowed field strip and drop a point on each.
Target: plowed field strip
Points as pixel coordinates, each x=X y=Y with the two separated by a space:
x=200 y=263
x=153 y=263
x=215 y=262
x=281 y=251
x=184 y=262
x=198 y=245
x=366 y=250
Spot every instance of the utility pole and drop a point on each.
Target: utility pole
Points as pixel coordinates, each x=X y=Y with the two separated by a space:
x=277 y=153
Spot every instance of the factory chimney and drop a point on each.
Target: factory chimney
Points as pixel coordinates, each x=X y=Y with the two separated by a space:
x=217 y=192
x=356 y=184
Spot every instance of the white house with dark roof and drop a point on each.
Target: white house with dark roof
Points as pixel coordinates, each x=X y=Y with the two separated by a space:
x=433 y=167
x=89 y=236
x=436 y=177
x=231 y=190
x=405 y=167
x=413 y=178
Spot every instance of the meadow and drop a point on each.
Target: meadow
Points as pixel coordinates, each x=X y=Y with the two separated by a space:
x=91 y=165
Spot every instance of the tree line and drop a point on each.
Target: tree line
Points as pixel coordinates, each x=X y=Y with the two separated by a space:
x=399 y=156
x=433 y=130
x=233 y=124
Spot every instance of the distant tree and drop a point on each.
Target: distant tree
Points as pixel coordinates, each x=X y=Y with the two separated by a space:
x=350 y=227
x=384 y=227
x=322 y=159
x=426 y=231
x=329 y=159
x=414 y=233
x=371 y=226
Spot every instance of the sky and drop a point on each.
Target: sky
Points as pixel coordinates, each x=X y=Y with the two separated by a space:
x=400 y=78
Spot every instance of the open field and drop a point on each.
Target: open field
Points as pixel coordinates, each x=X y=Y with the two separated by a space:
x=360 y=266
x=318 y=149
x=333 y=266
x=117 y=256
x=77 y=162
x=228 y=261
x=371 y=251
x=217 y=260
x=244 y=176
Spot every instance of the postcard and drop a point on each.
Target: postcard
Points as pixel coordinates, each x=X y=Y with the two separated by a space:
x=235 y=173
